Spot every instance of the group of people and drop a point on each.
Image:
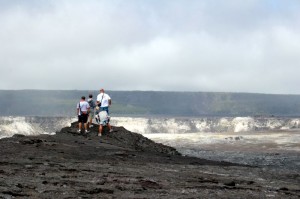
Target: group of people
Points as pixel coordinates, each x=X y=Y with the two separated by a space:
x=88 y=110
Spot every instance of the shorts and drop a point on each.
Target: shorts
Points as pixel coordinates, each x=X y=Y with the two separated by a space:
x=83 y=118
x=104 y=109
x=91 y=114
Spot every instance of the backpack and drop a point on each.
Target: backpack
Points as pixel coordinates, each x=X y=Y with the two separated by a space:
x=92 y=103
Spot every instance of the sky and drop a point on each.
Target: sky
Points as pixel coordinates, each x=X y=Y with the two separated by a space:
x=248 y=46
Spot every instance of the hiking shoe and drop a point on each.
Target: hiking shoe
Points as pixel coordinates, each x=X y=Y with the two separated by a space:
x=79 y=131
x=99 y=134
x=86 y=131
x=111 y=130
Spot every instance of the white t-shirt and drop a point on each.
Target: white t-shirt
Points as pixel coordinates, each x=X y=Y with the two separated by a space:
x=84 y=106
x=104 y=101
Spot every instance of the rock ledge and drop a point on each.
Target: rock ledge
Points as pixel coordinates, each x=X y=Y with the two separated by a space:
x=123 y=164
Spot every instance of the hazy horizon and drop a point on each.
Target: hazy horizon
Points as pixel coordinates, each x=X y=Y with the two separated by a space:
x=97 y=90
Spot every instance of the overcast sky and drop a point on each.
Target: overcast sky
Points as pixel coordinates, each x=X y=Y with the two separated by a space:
x=163 y=45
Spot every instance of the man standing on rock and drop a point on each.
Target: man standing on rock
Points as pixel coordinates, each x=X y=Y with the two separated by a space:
x=92 y=110
x=103 y=101
x=83 y=108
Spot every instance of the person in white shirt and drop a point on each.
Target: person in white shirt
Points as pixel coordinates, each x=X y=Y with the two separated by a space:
x=104 y=121
x=83 y=108
x=103 y=101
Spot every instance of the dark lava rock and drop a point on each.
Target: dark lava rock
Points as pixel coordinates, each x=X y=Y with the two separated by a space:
x=18 y=135
x=231 y=183
x=123 y=164
x=122 y=138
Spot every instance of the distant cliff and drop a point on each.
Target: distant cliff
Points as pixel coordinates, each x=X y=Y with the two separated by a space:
x=148 y=103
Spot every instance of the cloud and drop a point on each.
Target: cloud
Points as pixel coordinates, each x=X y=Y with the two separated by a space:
x=235 y=46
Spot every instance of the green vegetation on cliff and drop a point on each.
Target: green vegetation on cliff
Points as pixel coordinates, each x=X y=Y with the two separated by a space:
x=63 y=103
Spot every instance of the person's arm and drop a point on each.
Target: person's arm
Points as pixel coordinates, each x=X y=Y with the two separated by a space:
x=109 y=100
x=98 y=100
x=77 y=109
x=88 y=107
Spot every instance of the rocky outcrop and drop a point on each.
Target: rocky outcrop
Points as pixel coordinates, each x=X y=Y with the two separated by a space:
x=122 y=138
x=123 y=164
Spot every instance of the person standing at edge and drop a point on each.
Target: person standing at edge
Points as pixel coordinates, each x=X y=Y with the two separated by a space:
x=103 y=101
x=82 y=111
x=92 y=110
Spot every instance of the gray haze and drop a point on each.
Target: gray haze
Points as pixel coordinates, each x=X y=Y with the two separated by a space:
x=168 y=45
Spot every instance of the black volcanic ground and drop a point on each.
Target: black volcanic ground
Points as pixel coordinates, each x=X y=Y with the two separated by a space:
x=123 y=164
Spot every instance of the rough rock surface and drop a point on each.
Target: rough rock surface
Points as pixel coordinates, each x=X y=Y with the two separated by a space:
x=123 y=164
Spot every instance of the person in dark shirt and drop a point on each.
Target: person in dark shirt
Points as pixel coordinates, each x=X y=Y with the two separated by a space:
x=92 y=110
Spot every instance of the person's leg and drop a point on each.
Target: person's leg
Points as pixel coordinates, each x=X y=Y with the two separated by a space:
x=85 y=123
x=109 y=127
x=100 y=130
x=80 y=121
x=88 y=123
x=85 y=126
x=79 y=126
x=91 y=116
